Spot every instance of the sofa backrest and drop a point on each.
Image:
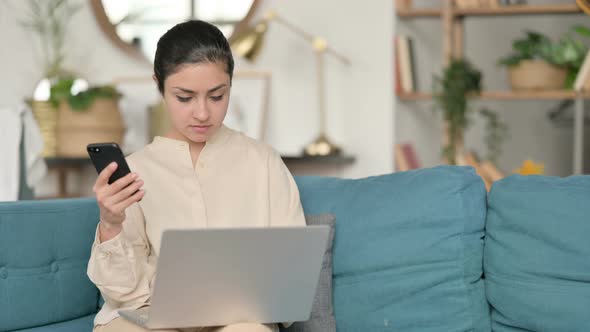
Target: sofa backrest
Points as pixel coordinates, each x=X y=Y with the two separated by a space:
x=44 y=252
x=537 y=254
x=407 y=250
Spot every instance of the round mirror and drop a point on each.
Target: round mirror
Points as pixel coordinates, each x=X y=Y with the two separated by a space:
x=136 y=25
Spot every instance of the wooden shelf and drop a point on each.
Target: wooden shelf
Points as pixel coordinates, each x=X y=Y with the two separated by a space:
x=505 y=95
x=494 y=11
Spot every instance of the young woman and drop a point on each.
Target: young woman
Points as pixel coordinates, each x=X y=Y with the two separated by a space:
x=202 y=174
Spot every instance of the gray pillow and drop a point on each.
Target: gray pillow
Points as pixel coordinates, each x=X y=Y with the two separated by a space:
x=322 y=312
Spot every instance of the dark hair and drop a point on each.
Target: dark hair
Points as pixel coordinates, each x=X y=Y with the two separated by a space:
x=191 y=42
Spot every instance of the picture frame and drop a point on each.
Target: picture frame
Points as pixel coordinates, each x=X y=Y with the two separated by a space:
x=249 y=103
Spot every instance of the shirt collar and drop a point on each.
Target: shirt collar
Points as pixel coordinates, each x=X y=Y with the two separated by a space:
x=219 y=137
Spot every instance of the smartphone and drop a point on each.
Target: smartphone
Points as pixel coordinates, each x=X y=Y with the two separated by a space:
x=102 y=154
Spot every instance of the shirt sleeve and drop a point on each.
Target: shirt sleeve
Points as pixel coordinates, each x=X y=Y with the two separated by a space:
x=120 y=267
x=285 y=204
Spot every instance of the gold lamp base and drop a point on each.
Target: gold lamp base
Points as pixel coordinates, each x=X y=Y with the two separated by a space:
x=321 y=146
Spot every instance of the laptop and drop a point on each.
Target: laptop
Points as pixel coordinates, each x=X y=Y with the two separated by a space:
x=217 y=277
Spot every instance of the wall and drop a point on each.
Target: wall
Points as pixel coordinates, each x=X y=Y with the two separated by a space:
x=532 y=134
x=358 y=98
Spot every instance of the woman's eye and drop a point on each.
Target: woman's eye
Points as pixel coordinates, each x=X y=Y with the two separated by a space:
x=216 y=98
x=183 y=99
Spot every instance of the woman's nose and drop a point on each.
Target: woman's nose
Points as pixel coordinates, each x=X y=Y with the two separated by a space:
x=200 y=112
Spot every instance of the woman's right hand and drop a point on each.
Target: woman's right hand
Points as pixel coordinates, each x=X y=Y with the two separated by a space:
x=113 y=199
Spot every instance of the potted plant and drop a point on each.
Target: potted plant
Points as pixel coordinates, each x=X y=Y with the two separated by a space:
x=460 y=82
x=68 y=120
x=538 y=63
x=87 y=117
x=48 y=20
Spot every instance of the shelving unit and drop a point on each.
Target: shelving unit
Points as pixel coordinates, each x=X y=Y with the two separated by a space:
x=506 y=95
x=493 y=11
x=453 y=34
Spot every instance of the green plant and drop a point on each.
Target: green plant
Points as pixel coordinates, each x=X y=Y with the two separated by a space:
x=496 y=133
x=61 y=91
x=568 y=52
x=48 y=19
x=460 y=81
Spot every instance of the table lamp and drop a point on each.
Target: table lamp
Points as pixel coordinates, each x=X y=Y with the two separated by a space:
x=248 y=45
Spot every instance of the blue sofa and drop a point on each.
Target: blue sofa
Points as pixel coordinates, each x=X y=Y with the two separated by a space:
x=410 y=253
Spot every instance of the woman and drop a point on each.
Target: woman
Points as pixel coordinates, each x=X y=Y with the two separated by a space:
x=202 y=174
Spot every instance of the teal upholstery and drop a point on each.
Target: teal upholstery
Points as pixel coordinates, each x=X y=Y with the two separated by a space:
x=537 y=254
x=408 y=254
x=83 y=324
x=44 y=252
x=407 y=251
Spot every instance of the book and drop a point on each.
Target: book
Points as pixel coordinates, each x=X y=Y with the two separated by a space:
x=403 y=4
x=405 y=157
x=397 y=71
x=404 y=58
x=583 y=76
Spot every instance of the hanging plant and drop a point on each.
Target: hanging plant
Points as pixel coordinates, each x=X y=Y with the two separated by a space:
x=459 y=82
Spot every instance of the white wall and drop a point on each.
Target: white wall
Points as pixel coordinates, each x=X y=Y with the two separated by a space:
x=358 y=98
x=532 y=134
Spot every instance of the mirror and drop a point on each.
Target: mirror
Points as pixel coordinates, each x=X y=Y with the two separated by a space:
x=135 y=25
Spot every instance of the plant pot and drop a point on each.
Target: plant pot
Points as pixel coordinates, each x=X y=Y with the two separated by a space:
x=536 y=75
x=46 y=116
x=101 y=122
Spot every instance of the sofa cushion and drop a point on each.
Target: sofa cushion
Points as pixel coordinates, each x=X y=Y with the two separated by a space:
x=537 y=254
x=407 y=250
x=84 y=324
x=322 y=312
x=44 y=251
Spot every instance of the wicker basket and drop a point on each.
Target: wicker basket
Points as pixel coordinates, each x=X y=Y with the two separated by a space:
x=46 y=116
x=101 y=122
x=537 y=75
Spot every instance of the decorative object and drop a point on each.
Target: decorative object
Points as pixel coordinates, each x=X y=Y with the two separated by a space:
x=134 y=26
x=536 y=75
x=48 y=20
x=538 y=63
x=584 y=5
x=529 y=167
x=406 y=158
x=46 y=117
x=87 y=117
x=460 y=81
x=249 y=103
x=249 y=43
x=159 y=121
x=101 y=122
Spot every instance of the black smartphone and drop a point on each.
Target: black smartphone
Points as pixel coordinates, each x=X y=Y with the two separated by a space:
x=102 y=154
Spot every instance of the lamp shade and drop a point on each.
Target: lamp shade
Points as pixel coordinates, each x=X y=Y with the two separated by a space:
x=249 y=43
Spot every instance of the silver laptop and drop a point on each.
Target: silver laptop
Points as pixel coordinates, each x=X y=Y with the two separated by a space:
x=216 y=277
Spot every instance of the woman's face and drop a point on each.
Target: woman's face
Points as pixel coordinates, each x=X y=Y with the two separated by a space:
x=197 y=96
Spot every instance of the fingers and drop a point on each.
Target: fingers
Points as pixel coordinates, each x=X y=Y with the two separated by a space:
x=130 y=200
x=126 y=192
x=123 y=182
x=103 y=177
